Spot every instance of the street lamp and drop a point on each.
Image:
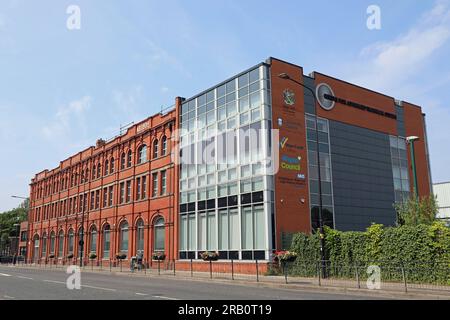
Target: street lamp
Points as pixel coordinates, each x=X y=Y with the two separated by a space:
x=286 y=76
x=410 y=140
x=81 y=236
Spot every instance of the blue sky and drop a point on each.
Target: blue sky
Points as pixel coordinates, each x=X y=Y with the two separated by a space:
x=60 y=90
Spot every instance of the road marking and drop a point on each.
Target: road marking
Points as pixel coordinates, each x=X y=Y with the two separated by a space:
x=8 y=297
x=22 y=277
x=53 y=281
x=165 y=298
x=99 y=288
x=141 y=294
x=5 y=275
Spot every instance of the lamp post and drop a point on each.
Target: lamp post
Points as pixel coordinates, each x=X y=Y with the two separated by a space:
x=286 y=76
x=81 y=236
x=410 y=140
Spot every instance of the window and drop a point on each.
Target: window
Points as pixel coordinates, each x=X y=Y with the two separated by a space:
x=44 y=245
x=123 y=237
x=97 y=199
x=71 y=240
x=142 y=154
x=144 y=187
x=122 y=192
x=164 y=146
x=94 y=170
x=52 y=242
x=122 y=161
x=106 y=241
x=155 y=148
x=61 y=244
x=106 y=171
x=129 y=158
x=140 y=236
x=111 y=196
x=155 y=184
x=138 y=188
x=159 y=234
x=99 y=170
x=111 y=166
x=93 y=240
x=128 y=197
x=92 y=200
x=36 y=247
x=163 y=182
x=105 y=197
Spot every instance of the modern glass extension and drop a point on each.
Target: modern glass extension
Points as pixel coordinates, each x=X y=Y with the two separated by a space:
x=226 y=193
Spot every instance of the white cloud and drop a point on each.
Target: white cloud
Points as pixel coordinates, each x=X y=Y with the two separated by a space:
x=385 y=65
x=164 y=89
x=67 y=117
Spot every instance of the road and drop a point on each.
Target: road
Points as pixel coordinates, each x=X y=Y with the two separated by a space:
x=39 y=284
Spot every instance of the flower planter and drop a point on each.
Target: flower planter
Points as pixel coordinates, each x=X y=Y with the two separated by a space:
x=210 y=256
x=159 y=256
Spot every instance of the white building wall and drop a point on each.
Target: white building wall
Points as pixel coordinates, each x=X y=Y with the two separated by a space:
x=442 y=192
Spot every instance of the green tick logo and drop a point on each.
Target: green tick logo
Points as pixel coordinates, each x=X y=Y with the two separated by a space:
x=289 y=97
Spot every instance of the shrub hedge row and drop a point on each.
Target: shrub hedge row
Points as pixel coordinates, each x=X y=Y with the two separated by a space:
x=420 y=252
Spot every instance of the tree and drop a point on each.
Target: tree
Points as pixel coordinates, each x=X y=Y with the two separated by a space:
x=7 y=221
x=415 y=211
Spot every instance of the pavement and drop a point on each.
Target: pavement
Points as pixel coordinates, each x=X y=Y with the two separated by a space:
x=34 y=283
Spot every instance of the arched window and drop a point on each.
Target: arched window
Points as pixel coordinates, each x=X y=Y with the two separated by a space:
x=87 y=175
x=164 y=146
x=122 y=161
x=94 y=170
x=52 y=242
x=106 y=241
x=61 y=244
x=36 y=247
x=142 y=154
x=111 y=166
x=71 y=240
x=106 y=171
x=123 y=244
x=93 y=240
x=82 y=176
x=44 y=245
x=160 y=234
x=99 y=170
x=129 y=162
x=155 y=148
x=140 y=236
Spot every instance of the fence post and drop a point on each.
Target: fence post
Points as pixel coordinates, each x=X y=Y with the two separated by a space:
x=174 y=267
x=159 y=267
x=285 y=271
x=120 y=261
x=192 y=271
x=232 y=269
x=210 y=269
x=357 y=276
x=318 y=272
x=257 y=272
x=404 y=277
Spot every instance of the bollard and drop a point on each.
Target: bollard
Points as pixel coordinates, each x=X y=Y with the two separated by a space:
x=210 y=269
x=285 y=272
x=257 y=271
x=192 y=271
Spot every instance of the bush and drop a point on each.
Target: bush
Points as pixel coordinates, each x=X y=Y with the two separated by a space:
x=92 y=256
x=423 y=250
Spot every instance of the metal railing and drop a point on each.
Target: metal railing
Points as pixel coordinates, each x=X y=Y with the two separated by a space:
x=375 y=275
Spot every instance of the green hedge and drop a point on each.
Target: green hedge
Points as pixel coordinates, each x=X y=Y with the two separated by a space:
x=422 y=251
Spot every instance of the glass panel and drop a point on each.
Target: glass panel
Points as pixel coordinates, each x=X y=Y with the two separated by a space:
x=159 y=238
x=247 y=226
x=259 y=228
x=202 y=232
x=183 y=233
x=223 y=230
x=212 y=242
x=234 y=229
x=192 y=232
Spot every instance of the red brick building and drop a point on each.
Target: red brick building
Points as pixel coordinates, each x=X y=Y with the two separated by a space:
x=137 y=198
x=126 y=188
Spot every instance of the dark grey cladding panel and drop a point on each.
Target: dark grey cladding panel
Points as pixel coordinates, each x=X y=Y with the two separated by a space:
x=400 y=121
x=362 y=177
x=309 y=98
